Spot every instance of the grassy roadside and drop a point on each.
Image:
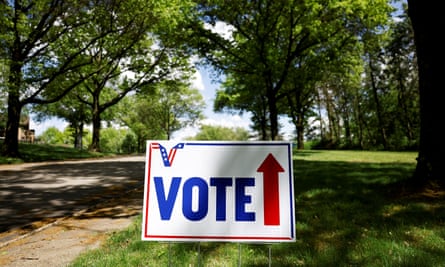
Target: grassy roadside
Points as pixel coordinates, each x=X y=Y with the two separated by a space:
x=350 y=211
x=41 y=153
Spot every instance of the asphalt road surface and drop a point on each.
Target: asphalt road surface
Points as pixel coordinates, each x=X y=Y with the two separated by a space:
x=45 y=191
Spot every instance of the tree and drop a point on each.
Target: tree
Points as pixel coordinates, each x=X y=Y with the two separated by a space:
x=172 y=105
x=129 y=144
x=234 y=96
x=211 y=133
x=139 y=119
x=269 y=38
x=403 y=74
x=112 y=139
x=52 y=136
x=425 y=19
x=71 y=110
x=145 y=47
x=124 y=62
x=178 y=106
x=34 y=37
x=367 y=96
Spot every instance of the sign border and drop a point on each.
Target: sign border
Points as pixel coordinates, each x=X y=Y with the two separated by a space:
x=228 y=238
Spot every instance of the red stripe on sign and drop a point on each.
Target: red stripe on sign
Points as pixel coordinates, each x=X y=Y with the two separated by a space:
x=154 y=145
x=171 y=155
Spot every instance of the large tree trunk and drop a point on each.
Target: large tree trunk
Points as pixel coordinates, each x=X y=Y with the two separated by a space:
x=95 y=142
x=11 y=144
x=426 y=21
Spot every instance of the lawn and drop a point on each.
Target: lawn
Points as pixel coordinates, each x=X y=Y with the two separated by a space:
x=350 y=211
x=41 y=153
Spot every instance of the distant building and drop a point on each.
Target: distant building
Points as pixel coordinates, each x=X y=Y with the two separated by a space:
x=25 y=134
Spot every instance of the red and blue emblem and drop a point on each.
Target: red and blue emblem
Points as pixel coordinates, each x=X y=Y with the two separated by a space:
x=167 y=158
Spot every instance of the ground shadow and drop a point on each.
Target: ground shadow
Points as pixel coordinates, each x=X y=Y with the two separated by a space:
x=55 y=190
x=337 y=205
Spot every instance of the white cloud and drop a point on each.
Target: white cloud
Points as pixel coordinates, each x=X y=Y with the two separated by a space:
x=197 y=81
x=223 y=29
x=184 y=133
x=228 y=120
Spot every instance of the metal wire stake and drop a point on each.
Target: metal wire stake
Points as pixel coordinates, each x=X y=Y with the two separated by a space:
x=199 y=254
x=239 y=254
x=169 y=254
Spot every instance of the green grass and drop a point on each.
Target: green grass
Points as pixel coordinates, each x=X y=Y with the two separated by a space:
x=41 y=153
x=349 y=212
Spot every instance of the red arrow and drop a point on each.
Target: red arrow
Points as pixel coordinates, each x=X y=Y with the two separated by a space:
x=271 y=193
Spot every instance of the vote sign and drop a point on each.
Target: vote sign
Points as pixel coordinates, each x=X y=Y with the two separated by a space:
x=219 y=191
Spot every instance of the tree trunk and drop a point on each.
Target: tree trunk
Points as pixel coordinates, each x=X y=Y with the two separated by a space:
x=273 y=114
x=297 y=116
x=11 y=144
x=425 y=21
x=300 y=132
x=330 y=115
x=78 y=136
x=347 y=127
x=141 y=142
x=260 y=120
x=359 y=121
x=382 y=129
x=95 y=143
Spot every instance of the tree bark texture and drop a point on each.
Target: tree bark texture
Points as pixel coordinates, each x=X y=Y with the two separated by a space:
x=426 y=22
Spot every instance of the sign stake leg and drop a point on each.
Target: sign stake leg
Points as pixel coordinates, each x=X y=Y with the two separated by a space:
x=239 y=254
x=199 y=254
x=169 y=254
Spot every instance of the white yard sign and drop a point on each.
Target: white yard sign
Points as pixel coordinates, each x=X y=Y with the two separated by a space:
x=219 y=191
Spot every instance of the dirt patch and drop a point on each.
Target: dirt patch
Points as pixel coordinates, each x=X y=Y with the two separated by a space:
x=418 y=190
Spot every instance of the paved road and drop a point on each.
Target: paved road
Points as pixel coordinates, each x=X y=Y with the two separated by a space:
x=32 y=192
